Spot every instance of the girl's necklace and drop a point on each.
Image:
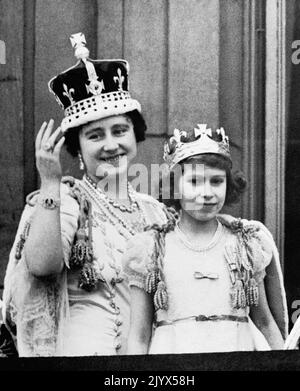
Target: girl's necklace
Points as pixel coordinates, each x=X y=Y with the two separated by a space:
x=201 y=274
x=196 y=247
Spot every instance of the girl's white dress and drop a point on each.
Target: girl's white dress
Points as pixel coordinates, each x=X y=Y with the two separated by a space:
x=200 y=316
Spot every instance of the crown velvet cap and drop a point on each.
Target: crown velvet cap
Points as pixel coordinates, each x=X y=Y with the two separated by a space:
x=92 y=89
x=200 y=140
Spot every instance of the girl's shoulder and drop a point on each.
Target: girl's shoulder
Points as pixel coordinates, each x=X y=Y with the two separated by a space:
x=247 y=228
x=254 y=238
x=257 y=243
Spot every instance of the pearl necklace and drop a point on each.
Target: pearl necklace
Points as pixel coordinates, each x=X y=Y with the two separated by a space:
x=123 y=208
x=196 y=247
x=108 y=211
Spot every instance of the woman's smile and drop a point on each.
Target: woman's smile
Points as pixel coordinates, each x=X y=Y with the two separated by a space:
x=108 y=146
x=113 y=160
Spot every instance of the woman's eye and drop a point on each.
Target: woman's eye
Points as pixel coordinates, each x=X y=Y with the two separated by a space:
x=94 y=136
x=120 y=131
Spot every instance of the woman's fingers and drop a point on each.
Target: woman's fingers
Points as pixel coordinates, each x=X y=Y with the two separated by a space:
x=48 y=154
x=58 y=146
x=47 y=132
x=40 y=136
x=54 y=138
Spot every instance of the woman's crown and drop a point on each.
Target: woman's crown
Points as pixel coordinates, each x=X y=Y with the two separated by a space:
x=92 y=89
x=183 y=145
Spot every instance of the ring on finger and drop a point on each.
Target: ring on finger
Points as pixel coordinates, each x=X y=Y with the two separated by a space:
x=47 y=147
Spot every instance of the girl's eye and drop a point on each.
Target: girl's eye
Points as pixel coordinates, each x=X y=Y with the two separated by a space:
x=195 y=181
x=217 y=181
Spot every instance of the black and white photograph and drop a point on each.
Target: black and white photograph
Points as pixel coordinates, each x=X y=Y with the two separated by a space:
x=149 y=214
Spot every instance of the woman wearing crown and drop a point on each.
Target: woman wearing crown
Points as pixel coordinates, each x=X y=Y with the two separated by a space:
x=65 y=292
x=205 y=282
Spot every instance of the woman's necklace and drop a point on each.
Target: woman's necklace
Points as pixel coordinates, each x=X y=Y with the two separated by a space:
x=123 y=208
x=107 y=209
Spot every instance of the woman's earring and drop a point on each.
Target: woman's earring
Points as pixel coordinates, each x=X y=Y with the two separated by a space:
x=81 y=163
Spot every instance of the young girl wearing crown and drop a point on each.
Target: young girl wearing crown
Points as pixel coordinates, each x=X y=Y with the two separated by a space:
x=204 y=282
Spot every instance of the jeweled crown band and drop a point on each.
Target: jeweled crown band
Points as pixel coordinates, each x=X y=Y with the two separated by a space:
x=184 y=144
x=96 y=107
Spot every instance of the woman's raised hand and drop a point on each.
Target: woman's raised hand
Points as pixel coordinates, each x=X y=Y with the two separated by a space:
x=48 y=153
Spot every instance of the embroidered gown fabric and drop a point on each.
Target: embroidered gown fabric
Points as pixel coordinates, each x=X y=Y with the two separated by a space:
x=55 y=316
x=198 y=283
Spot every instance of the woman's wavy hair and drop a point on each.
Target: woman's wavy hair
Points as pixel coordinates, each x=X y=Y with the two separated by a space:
x=236 y=181
x=139 y=126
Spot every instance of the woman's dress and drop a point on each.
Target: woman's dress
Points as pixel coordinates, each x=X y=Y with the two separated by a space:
x=59 y=317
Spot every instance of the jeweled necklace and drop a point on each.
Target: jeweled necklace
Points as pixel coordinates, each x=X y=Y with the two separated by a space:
x=100 y=199
x=123 y=208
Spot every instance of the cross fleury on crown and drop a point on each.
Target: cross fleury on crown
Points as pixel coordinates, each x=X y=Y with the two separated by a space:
x=77 y=40
x=184 y=144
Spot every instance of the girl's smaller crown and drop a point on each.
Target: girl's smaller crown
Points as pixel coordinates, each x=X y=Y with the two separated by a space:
x=200 y=140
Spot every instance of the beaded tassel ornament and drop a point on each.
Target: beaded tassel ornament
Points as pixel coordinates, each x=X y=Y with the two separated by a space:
x=82 y=250
x=154 y=283
x=246 y=237
x=160 y=298
x=89 y=275
x=252 y=292
x=240 y=261
x=152 y=279
x=238 y=295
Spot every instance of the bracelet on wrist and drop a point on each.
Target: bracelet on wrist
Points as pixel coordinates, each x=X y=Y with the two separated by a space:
x=48 y=202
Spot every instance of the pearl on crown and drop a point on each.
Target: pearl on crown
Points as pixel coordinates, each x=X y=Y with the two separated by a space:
x=81 y=52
